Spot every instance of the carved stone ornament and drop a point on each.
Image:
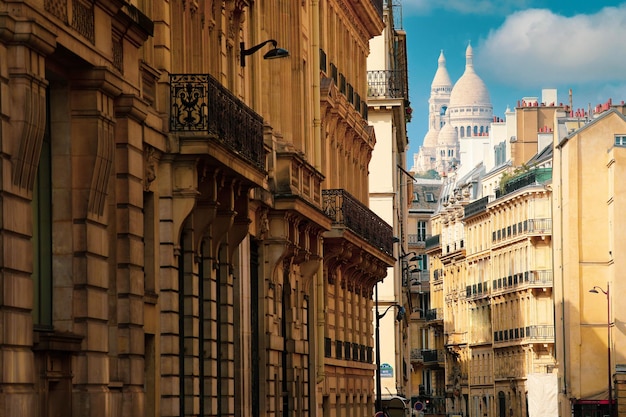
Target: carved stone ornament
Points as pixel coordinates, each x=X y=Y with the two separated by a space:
x=150 y=167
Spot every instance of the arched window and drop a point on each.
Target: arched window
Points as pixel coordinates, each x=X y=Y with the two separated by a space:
x=462 y=131
x=475 y=130
x=501 y=404
x=482 y=130
x=468 y=129
x=442 y=111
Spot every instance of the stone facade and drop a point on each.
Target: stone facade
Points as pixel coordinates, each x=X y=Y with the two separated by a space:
x=185 y=226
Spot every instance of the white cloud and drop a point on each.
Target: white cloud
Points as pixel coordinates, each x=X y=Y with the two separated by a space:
x=537 y=44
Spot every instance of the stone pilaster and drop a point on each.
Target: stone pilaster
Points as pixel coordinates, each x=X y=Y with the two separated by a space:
x=128 y=325
x=177 y=192
x=92 y=144
x=23 y=47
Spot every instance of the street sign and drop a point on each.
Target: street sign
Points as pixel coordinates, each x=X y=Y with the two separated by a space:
x=419 y=406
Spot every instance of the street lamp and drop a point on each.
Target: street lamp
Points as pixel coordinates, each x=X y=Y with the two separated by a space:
x=595 y=290
x=379 y=401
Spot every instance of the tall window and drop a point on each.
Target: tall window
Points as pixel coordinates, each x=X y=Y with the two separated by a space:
x=421 y=230
x=42 y=236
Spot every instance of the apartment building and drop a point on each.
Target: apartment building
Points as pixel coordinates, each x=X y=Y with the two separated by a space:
x=389 y=196
x=588 y=240
x=184 y=237
x=424 y=201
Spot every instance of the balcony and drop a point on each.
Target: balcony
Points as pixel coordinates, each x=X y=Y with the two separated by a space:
x=457 y=338
x=434 y=314
x=378 y=5
x=532 y=227
x=416 y=356
x=200 y=104
x=432 y=242
x=418 y=241
x=541 y=333
x=387 y=84
x=477 y=291
x=476 y=207
x=346 y=211
x=529 y=279
x=535 y=176
x=433 y=356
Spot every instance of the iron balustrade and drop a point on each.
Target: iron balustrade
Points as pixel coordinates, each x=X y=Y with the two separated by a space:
x=530 y=226
x=378 y=5
x=433 y=355
x=535 y=176
x=386 y=84
x=475 y=207
x=535 y=279
x=345 y=210
x=199 y=103
x=434 y=314
x=432 y=242
x=540 y=332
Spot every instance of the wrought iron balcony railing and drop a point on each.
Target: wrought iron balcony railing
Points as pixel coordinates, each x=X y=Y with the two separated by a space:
x=387 y=84
x=433 y=355
x=476 y=207
x=378 y=5
x=537 y=332
x=199 y=103
x=434 y=314
x=432 y=242
x=347 y=211
x=535 y=176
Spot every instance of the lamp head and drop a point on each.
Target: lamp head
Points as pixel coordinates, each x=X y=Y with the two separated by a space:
x=276 y=53
x=593 y=290
x=401 y=313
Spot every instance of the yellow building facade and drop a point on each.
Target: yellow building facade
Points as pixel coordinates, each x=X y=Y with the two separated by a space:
x=589 y=236
x=186 y=222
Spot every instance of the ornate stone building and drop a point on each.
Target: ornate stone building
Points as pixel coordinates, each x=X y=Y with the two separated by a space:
x=185 y=224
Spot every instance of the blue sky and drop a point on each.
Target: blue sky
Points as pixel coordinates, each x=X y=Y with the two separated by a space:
x=520 y=47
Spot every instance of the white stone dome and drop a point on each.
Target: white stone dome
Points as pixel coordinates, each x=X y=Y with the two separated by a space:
x=447 y=136
x=469 y=90
x=430 y=140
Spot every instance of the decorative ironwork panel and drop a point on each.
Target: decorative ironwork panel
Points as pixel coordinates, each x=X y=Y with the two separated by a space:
x=199 y=103
x=378 y=5
x=57 y=8
x=387 y=84
x=83 y=19
x=118 y=53
x=347 y=211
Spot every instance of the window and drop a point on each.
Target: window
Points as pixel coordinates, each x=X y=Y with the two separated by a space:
x=421 y=230
x=430 y=197
x=42 y=236
x=416 y=197
x=620 y=140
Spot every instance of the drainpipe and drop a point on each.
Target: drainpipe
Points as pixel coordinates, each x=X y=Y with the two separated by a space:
x=317 y=160
x=317 y=119
x=321 y=321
